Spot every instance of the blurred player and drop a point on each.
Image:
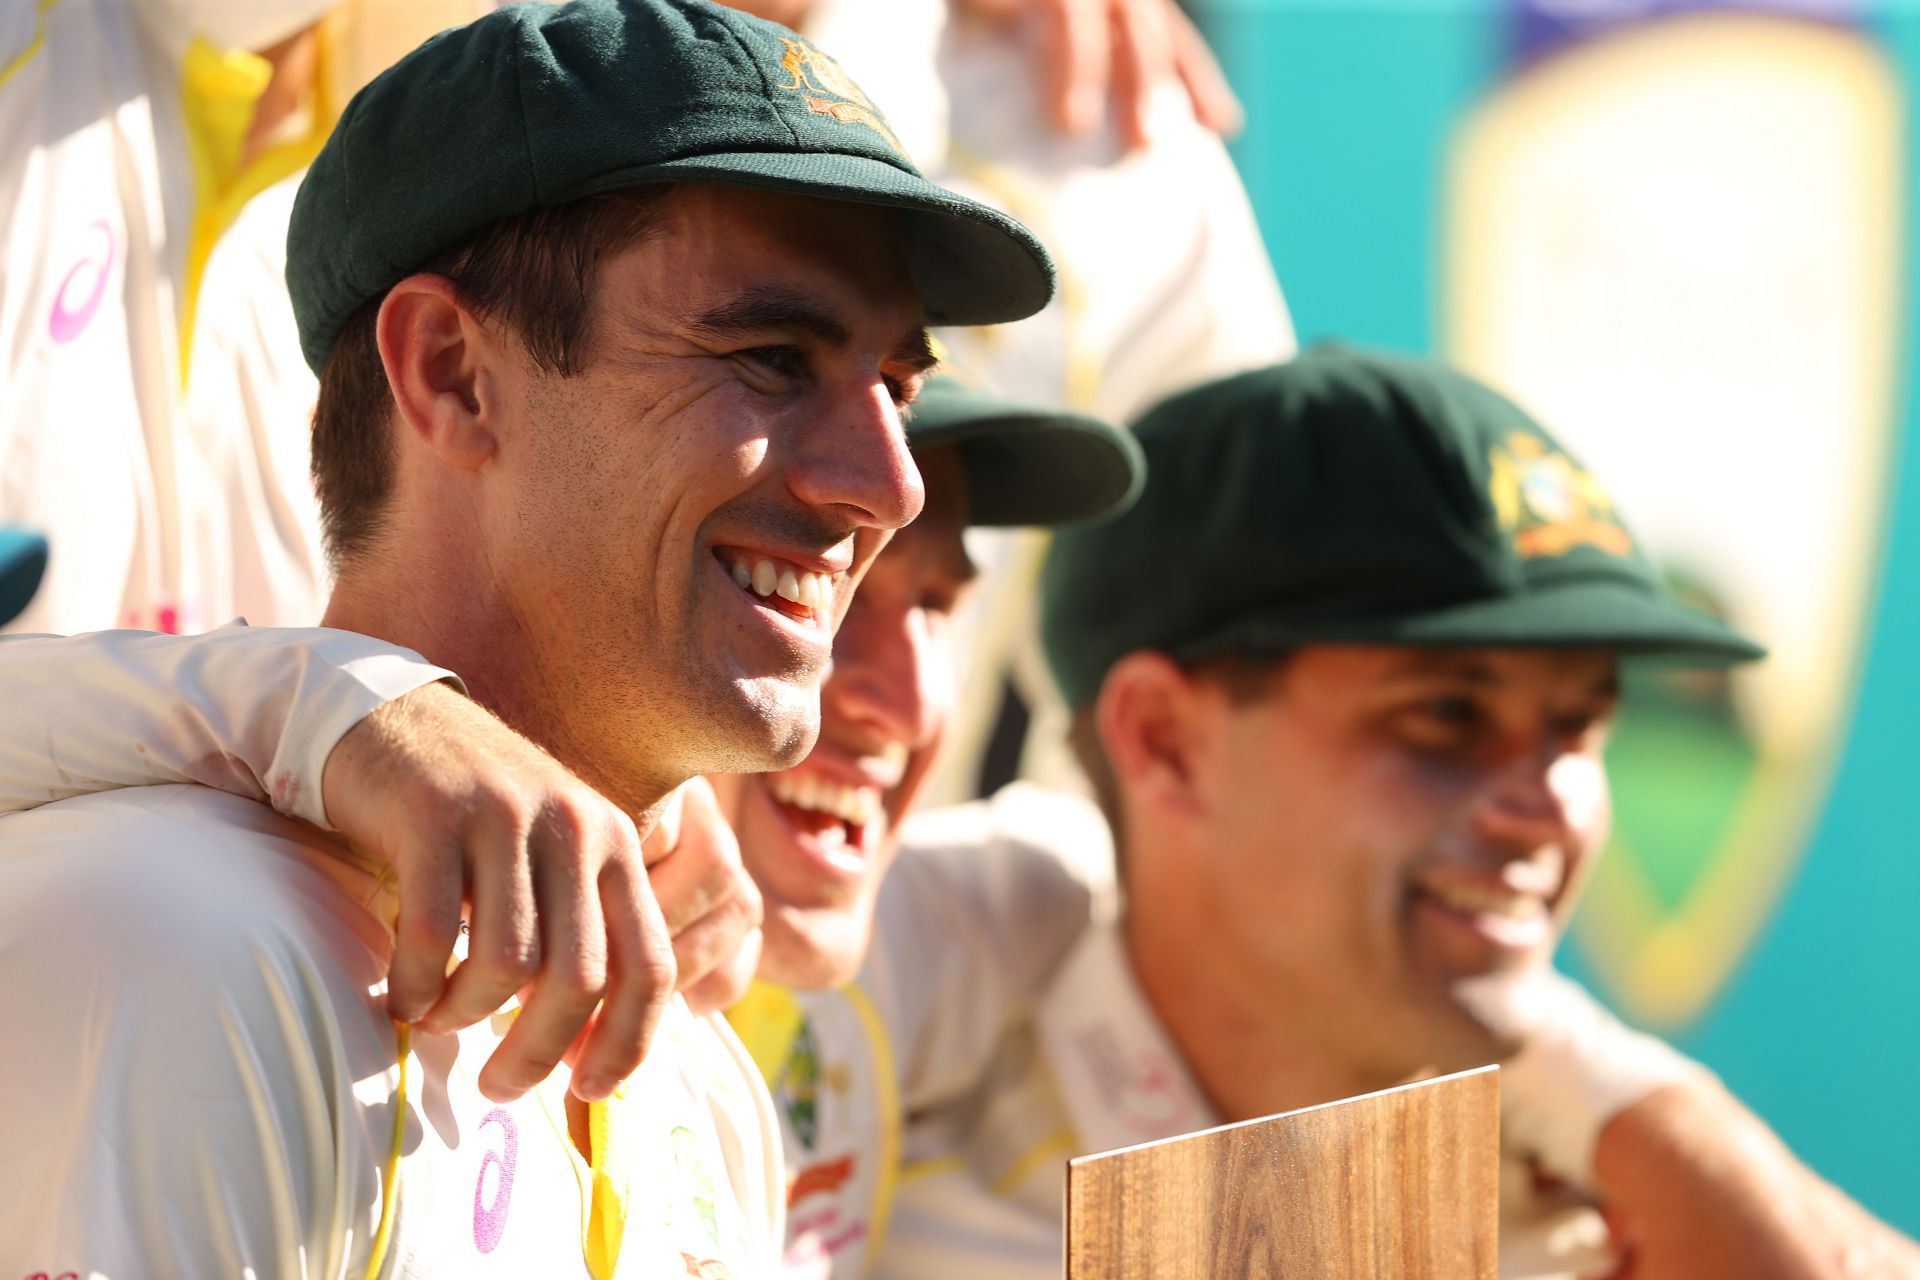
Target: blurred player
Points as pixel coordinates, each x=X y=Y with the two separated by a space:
x=584 y=577
x=132 y=129
x=1342 y=680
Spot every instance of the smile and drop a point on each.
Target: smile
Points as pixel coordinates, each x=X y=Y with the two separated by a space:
x=797 y=592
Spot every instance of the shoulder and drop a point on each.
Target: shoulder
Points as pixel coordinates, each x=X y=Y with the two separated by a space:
x=216 y=990
x=1022 y=837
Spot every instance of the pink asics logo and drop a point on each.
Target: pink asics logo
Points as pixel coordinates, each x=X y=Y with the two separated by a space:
x=490 y=1219
x=71 y=313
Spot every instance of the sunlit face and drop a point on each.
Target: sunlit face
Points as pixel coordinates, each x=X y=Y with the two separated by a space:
x=677 y=527
x=818 y=837
x=1392 y=839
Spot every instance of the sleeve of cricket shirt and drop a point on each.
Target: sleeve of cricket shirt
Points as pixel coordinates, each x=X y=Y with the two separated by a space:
x=983 y=905
x=253 y=711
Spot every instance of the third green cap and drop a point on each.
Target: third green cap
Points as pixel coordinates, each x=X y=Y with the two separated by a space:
x=537 y=105
x=1355 y=498
x=1027 y=465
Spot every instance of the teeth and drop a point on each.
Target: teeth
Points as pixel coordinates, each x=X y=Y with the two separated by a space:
x=764 y=577
x=1478 y=899
x=856 y=805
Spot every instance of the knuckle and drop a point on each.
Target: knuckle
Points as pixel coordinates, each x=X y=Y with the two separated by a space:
x=516 y=960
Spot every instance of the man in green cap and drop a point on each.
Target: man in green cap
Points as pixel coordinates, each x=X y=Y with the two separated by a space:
x=611 y=304
x=1342 y=679
x=818 y=837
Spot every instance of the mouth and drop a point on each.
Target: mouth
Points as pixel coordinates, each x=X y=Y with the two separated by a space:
x=841 y=822
x=1492 y=911
x=793 y=590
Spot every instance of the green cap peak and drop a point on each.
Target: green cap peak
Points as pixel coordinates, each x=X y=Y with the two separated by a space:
x=537 y=105
x=1349 y=497
x=1027 y=465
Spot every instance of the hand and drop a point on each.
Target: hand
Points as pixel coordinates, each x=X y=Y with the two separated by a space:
x=1097 y=54
x=1578 y=1067
x=562 y=912
x=711 y=903
x=1698 y=1188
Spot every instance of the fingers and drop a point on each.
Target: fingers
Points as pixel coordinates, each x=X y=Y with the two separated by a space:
x=1076 y=51
x=503 y=943
x=640 y=980
x=703 y=868
x=428 y=926
x=723 y=986
x=573 y=969
x=1142 y=57
x=1214 y=103
x=711 y=945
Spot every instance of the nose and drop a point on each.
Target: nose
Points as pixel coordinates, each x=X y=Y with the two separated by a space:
x=1542 y=799
x=852 y=460
x=889 y=676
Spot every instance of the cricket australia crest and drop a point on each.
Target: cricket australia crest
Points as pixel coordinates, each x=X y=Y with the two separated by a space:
x=829 y=91
x=1606 y=212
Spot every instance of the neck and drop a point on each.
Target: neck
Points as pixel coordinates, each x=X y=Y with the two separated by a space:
x=1247 y=1055
x=458 y=620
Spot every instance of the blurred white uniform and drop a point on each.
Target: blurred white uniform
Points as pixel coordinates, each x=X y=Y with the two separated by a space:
x=213 y=1085
x=121 y=121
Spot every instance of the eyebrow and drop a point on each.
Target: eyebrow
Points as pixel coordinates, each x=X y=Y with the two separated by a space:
x=1439 y=664
x=762 y=310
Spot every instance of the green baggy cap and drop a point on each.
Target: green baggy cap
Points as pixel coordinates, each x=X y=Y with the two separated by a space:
x=1026 y=465
x=1357 y=498
x=536 y=105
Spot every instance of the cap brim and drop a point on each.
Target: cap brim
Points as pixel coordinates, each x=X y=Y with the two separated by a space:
x=1587 y=613
x=972 y=263
x=1031 y=467
x=23 y=559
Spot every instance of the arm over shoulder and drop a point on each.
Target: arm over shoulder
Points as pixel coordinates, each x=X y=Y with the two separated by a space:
x=253 y=711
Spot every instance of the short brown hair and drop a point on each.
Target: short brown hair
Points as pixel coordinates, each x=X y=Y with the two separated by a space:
x=536 y=273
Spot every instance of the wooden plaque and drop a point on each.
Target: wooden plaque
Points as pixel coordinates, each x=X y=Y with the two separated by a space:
x=1403 y=1183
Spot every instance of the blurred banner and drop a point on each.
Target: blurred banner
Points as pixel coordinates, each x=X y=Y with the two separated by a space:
x=1679 y=231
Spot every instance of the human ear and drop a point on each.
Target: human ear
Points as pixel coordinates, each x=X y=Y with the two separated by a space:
x=438 y=357
x=1149 y=716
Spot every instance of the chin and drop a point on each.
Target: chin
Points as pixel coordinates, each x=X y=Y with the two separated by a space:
x=814 y=949
x=776 y=728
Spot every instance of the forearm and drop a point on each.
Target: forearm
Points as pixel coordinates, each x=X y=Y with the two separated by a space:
x=1700 y=1188
x=252 y=711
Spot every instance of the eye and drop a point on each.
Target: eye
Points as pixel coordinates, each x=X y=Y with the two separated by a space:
x=1581 y=729
x=783 y=361
x=1445 y=723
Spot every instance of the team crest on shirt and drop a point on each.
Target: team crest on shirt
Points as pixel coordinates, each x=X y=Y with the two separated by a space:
x=1548 y=503
x=799 y=1087
x=829 y=91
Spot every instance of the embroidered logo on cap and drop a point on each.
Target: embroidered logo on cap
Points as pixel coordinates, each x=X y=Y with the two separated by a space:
x=1549 y=503
x=829 y=91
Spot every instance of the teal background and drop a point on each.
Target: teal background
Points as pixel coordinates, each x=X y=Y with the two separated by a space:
x=1351 y=105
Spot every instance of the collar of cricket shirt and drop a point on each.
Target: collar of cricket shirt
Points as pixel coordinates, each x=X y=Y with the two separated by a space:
x=1120 y=1077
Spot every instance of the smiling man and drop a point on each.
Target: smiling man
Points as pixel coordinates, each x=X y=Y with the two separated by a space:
x=609 y=302
x=1342 y=681
x=819 y=837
